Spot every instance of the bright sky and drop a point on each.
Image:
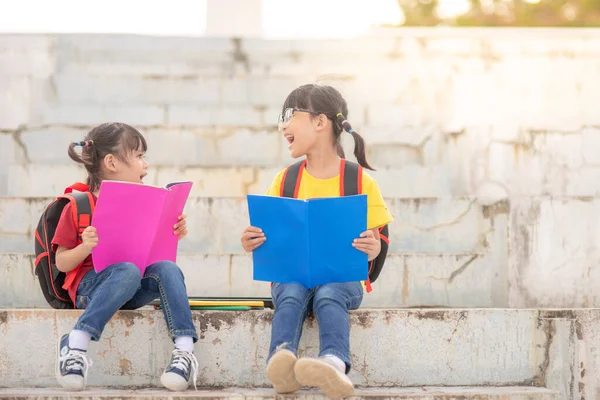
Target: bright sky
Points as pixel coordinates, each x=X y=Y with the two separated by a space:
x=281 y=18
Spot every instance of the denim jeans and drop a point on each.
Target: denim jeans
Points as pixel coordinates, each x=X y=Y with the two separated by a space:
x=121 y=287
x=329 y=302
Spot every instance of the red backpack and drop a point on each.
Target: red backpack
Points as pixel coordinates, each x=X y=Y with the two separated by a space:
x=350 y=184
x=51 y=279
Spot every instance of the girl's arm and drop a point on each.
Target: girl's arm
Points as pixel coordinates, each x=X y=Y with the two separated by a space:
x=68 y=259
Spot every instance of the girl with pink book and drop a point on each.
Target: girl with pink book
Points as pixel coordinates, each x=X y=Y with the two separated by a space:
x=115 y=151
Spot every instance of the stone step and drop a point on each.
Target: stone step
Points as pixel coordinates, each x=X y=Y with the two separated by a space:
x=39 y=179
x=421 y=393
x=408 y=280
x=390 y=348
x=205 y=136
x=215 y=224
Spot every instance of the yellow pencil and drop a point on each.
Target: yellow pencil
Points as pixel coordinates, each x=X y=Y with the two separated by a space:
x=197 y=303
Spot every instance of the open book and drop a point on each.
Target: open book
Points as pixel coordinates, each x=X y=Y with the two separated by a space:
x=309 y=242
x=135 y=223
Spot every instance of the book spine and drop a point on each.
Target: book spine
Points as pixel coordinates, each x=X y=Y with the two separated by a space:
x=309 y=262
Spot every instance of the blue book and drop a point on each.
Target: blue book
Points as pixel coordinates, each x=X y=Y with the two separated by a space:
x=309 y=242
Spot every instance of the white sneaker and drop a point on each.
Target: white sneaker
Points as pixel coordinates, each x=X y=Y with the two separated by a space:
x=72 y=366
x=177 y=374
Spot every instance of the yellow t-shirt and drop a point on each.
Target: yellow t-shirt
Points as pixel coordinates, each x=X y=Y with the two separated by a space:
x=311 y=187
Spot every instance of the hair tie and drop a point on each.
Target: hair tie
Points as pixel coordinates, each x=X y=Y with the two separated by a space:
x=350 y=130
x=339 y=115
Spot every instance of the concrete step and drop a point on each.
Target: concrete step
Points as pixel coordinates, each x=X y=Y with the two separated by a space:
x=421 y=393
x=210 y=137
x=408 y=280
x=390 y=348
x=38 y=179
x=203 y=136
x=215 y=224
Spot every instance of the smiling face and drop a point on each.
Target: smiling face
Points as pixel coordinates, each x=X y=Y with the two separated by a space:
x=300 y=131
x=307 y=121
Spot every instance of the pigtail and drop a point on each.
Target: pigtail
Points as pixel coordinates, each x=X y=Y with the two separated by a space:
x=359 y=142
x=89 y=159
x=76 y=157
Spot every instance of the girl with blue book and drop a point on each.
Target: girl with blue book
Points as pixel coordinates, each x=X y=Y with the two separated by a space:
x=313 y=121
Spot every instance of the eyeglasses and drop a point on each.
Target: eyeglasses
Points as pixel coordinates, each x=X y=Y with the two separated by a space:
x=285 y=118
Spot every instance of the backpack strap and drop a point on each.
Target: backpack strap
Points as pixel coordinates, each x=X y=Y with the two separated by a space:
x=350 y=178
x=83 y=207
x=351 y=184
x=290 y=182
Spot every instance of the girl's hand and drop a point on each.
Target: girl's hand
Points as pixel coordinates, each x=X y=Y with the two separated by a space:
x=369 y=243
x=181 y=227
x=252 y=238
x=89 y=238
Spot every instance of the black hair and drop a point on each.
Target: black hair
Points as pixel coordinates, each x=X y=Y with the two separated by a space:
x=329 y=101
x=113 y=138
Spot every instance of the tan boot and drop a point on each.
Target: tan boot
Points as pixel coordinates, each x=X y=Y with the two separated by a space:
x=280 y=371
x=325 y=375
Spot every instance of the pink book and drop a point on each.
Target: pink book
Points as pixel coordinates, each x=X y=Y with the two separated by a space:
x=135 y=223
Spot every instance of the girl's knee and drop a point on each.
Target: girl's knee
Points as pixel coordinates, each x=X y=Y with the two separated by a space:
x=287 y=291
x=327 y=292
x=346 y=294
x=127 y=272
x=166 y=270
x=129 y=277
x=330 y=292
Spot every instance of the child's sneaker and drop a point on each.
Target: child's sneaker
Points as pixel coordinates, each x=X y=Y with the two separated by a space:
x=72 y=366
x=280 y=371
x=324 y=374
x=177 y=374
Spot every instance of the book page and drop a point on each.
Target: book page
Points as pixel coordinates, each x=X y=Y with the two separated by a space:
x=126 y=218
x=164 y=246
x=283 y=257
x=334 y=224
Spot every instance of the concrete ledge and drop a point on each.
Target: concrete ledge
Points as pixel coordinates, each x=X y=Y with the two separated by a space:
x=390 y=348
x=422 y=393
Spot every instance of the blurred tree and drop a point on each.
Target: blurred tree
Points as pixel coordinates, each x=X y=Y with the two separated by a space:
x=420 y=12
x=534 y=13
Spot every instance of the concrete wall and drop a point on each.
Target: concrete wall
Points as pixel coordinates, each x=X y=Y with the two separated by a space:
x=482 y=113
x=554 y=252
x=439 y=249
x=452 y=112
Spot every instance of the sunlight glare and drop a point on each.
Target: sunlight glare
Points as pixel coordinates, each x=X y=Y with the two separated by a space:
x=326 y=18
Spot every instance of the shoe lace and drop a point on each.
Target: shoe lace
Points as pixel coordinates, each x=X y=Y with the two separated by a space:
x=76 y=360
x=183 y=360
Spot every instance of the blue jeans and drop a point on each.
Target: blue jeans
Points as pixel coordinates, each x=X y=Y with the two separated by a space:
x=121 y=287
x=330 y=304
